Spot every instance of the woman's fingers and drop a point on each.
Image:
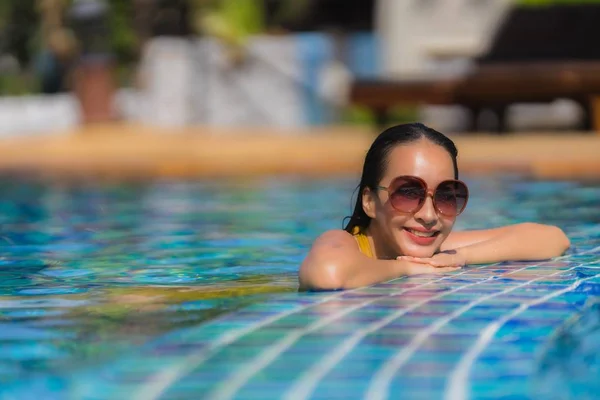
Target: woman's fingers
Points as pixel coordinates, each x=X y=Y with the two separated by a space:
x=439 y=260
x=415 y=259
x=427 y=261
x=419 y=268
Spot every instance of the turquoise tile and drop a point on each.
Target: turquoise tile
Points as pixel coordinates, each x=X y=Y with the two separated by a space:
x=210 y=262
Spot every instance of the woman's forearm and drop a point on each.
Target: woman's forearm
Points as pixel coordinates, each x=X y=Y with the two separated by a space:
x=525 y=242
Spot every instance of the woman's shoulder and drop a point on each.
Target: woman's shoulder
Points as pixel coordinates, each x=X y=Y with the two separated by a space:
x=330 y=250
x=335 y=237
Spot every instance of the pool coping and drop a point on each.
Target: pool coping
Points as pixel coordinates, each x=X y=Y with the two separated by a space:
x=130 y=151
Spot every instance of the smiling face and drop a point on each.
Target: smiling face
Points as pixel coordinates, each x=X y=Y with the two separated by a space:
x=418 y=234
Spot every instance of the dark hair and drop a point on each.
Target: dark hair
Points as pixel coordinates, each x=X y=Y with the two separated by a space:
x=377 y=158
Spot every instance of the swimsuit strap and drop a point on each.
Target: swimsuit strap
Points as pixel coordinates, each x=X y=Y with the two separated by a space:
x=363 y=242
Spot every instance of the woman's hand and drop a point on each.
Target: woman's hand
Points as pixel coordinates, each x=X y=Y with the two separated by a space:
x=442 y=262
x=445 y=259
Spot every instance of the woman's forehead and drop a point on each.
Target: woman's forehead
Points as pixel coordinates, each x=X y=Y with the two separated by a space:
x=424 y=159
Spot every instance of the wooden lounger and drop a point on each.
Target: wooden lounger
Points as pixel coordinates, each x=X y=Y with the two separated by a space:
x=533 y=58
x=492 y=87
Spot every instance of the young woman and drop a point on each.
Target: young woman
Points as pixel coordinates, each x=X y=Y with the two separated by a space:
x=408 y=199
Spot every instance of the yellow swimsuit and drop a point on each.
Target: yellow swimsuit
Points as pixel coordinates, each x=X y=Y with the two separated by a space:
x=363 y=242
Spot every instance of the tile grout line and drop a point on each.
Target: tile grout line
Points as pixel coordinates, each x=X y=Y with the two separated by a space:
x=378 y=387
x=308 y=381
x=457 y=387
x=235 y=382
x=305 y=385
x=165 y=378
x=160 y=382
x=238 y=380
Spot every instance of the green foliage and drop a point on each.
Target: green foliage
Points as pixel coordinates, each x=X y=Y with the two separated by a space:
x=19 y=21
x=18 y=84
x=356 y=115
x=18 y=27
x=4 y=10
x=246 y=15
x=123 y=39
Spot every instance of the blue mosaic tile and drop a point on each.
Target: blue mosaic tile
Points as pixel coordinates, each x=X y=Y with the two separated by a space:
x=333 y=345
x=501 y=331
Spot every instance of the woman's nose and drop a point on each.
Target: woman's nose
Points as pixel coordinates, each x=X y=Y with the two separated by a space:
x=427 y=214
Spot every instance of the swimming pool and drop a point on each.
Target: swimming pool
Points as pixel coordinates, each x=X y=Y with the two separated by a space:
x=174 y=289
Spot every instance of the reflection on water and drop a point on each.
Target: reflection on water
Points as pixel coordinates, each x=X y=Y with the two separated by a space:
x=91 y=270
x=569 y=366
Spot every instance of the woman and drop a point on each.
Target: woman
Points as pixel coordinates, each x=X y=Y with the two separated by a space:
x=408 y=199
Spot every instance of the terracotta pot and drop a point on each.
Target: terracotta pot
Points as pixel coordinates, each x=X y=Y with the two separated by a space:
x=94 y=86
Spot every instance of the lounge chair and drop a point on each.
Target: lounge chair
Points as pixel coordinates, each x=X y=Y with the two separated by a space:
x=538 y=55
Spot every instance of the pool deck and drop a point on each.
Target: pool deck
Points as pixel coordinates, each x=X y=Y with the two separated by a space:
x=125 y=151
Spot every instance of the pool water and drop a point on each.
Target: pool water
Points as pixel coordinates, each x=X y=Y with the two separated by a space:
x=174 y=289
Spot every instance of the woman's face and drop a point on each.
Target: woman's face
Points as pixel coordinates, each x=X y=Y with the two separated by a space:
x=418 y=234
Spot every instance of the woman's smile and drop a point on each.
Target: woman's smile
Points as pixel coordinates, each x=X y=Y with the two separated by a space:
x=421 y=237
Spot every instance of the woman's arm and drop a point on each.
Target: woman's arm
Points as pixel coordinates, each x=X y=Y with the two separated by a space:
x=335 y=262
x=526 y=241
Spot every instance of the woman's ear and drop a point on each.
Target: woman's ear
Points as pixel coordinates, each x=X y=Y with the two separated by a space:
x=369 y=200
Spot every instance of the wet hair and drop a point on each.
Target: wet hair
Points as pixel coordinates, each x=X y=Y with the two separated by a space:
x=377 y=158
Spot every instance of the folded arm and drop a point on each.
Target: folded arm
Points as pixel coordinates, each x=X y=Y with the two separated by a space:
x=526 y=241
x=335 y=262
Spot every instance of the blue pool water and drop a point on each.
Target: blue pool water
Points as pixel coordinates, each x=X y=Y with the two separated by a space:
x=188 y=290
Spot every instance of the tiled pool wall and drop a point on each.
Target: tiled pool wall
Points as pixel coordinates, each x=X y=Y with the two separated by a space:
x=111 y=292
x=478 y=333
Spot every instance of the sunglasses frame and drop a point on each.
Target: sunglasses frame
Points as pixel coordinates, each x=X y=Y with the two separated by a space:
x=428 y=192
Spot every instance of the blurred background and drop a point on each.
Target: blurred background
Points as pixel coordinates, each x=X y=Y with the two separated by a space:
x=290 y=63
x=251 y=119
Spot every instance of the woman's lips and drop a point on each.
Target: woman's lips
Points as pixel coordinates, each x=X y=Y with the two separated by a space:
x=418 y=236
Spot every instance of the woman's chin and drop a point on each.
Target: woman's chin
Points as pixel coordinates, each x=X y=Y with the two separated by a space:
x=419 y=251
x=415 y=246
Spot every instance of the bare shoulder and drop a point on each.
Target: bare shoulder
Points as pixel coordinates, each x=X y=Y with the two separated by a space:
x=321 y=267
x=335 y=239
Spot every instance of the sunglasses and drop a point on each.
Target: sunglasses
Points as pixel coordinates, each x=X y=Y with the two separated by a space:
x=408 y=194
